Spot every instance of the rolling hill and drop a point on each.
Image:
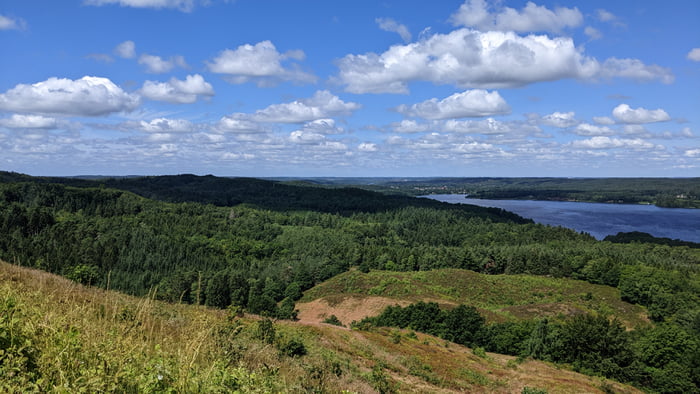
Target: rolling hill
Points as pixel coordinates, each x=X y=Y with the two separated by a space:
x=58 y=336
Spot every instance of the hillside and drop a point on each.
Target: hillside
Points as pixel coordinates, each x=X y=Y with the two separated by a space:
x=525 y=279
x=354 y=295
x=59 y=336
x=265 y=194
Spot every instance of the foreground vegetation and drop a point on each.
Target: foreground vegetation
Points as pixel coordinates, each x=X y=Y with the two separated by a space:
x=59 y=336
x=258 y=245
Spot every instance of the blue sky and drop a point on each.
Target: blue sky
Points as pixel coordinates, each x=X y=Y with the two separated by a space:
x=362 y=88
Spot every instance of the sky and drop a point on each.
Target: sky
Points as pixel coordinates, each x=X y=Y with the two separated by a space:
x=400 y=88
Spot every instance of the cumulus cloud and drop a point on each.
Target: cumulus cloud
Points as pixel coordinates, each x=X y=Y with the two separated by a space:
x=323 y=126
x=306 y=137
x=473 y=59
x=126 y=50
x=321 y=105
x=470 y=103
x=164 y=125
x=388 y=24
x=17 y=121
x=694 y=55
x=367 y=147
x=238 y=123
x=260 y=62
x=177 y=91
x=635 y=69
x=315 y=133
x=466 y=58
x=560 y=119
x=157 y=65
x=488 y=126
x=601 y=142
x=532 y=18
x=87 y=96
x=182 y=5
x=589 y=130
x=623 y=113
x=7 y=23
x=411 y=126
x=692 y=153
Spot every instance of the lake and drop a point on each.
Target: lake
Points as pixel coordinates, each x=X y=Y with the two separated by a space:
x=599 y=220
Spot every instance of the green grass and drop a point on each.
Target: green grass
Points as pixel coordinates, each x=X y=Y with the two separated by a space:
x=499 y=297
x=57 y=337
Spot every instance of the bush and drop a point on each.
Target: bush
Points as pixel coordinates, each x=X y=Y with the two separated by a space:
x=333 y=319
x=293 y=348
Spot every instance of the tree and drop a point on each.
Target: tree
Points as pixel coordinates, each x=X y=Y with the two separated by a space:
x=463 y=325
x=217 y=291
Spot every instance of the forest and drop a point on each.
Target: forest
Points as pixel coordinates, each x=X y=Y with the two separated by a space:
x=662 y=192
x=259 y=244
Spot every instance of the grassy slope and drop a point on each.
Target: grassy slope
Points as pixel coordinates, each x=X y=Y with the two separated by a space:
x=498 y=297
x=75 y=338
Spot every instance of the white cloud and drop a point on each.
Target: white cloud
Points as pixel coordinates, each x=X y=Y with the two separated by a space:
x=321 y=105
x=694 y=55
x=488 y=126
x=388 y=24
x=601 y=142
x=560 y=119
x=474 y=147
x=323 y=126
x=470 y=103
x=636 y=130
x=260 y=62
x=7 y=23
x=589 y=130
x=473 y=59
x=164 y=125
x=367 y=147
x=635 y=69
x=126 y=49
x=687 y=132
x=182 y=5
x=177 y=91
x=87 y=96
x=306 y=137
x=593 y=33
x=17 y=121
x=603 y=120
x=625 y=114
x=411 y=126
x=692 y=153
x=605 y=16
x=532 y=18
x=238 y=123
x=156 y=64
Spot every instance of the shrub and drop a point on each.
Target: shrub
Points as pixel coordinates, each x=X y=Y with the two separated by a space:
x=333 y=319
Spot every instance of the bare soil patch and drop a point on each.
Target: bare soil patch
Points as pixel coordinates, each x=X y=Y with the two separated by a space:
x=347 y=310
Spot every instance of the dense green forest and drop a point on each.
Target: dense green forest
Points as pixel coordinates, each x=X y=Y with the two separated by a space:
x=259 y=244
x=663 y=192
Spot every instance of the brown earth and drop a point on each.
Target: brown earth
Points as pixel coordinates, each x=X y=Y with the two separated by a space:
x=347 y=309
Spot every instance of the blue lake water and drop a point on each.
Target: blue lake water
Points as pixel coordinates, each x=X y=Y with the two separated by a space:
x=599 y=220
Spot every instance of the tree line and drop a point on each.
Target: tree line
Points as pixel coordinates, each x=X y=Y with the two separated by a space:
x=663 y=358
